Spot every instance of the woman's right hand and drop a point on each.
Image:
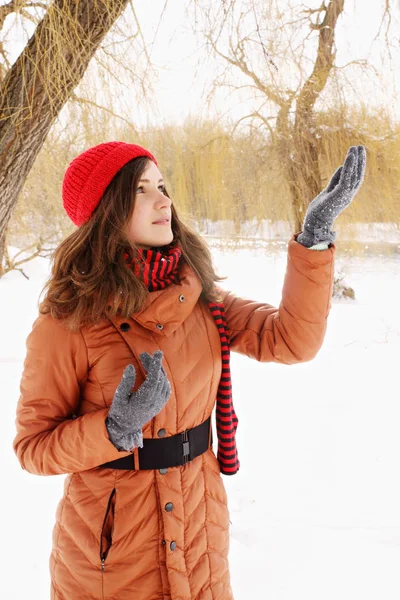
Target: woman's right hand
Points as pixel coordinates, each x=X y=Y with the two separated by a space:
x=129 y=410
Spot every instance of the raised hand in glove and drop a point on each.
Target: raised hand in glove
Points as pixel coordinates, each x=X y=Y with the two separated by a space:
x=341 y=190
x=129 y=410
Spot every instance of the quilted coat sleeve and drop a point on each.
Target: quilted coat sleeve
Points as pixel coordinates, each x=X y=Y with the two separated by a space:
x=49 y=440
x=294 y=332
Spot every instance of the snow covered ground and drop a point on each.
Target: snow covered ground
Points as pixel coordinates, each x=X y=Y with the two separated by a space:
x=315 y=506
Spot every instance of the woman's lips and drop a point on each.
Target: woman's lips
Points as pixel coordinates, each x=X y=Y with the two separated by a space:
x=163 y=222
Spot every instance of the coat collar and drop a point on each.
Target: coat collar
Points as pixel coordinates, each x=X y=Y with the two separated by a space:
x=168 y=307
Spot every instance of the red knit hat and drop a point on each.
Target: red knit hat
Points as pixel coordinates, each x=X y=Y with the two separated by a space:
x=89 y=174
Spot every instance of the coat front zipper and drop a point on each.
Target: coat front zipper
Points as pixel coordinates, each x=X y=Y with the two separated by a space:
x=107 y=530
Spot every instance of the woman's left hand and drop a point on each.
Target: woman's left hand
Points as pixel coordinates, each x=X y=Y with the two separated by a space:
x=324 y=209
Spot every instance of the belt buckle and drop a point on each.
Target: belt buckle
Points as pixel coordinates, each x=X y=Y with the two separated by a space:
x=186 y=447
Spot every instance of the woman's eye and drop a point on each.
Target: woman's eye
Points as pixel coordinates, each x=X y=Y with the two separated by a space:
x=160 y=186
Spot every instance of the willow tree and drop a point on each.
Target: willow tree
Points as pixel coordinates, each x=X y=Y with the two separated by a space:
x=265 y=43
x=35 y=88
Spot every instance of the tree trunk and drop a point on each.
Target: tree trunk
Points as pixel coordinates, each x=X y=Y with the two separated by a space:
x=40 y=82
x=304 y=173
x=304 y=176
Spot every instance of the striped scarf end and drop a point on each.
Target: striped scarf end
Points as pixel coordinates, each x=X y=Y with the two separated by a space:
x=229 y=470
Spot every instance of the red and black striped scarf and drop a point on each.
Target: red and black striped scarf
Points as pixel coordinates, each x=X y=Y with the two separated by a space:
x=158 y=268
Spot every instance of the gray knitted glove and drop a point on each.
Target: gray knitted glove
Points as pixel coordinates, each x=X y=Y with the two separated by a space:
x=341 y=190
x=129 y=411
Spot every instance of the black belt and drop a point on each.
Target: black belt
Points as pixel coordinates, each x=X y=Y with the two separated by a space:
x=167 y=452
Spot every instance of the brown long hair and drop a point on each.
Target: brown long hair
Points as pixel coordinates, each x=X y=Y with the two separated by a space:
x=89 y=267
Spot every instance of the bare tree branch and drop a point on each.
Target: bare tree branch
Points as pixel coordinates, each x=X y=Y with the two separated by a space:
x=33 y=251
x=240 y=62
x=105 y=109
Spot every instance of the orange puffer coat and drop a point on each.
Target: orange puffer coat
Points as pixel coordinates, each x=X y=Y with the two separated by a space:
x=67 y=386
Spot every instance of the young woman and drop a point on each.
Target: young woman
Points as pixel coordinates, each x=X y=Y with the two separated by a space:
x=125 y=364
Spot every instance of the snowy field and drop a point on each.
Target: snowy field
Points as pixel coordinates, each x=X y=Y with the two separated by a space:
x=315 y=507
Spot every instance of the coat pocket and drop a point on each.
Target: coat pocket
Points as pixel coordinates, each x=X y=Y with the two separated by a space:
x=107 y=529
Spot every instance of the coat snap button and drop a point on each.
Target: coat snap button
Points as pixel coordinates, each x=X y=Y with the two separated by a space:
x=163 y=471
x=124 y=327
x=172 y=545
x=74 y=416
x=169 y=506
x=161 y=433
x=159 y=326
x=163 y=542
x=181 y=298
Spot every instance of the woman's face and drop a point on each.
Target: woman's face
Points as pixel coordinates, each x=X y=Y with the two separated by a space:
x=144 y=228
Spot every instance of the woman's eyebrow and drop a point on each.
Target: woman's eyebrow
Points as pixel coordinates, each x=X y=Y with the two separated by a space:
x=148 y=180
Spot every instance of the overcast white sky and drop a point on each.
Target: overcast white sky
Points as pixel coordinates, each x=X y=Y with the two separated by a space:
x=175 y=54
x=179 y=92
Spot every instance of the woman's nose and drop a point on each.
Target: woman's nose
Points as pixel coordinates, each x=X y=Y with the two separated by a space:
x=164 y=200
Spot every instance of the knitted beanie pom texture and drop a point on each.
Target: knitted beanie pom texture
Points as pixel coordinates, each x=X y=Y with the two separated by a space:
x=89 y=174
